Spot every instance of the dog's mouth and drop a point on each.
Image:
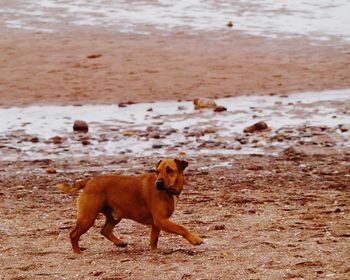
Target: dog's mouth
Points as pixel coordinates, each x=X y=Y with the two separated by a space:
x=160 y=185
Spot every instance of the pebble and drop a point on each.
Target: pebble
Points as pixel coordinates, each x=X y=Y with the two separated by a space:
x=169 y=131
x=344 y=127
x=157 y=145
x=229 y=24
x=51 y=170
x=279 y=137
x=154 y=135
x=219 y=109
x=33 y=139
x=219 y=227
x=85 y=142
x=181 y=108
x=80 y=125
x=56 y=140
x=259 y=126
x=128 y=133
x=204 y=103
x=209 y=130
x=95 y=55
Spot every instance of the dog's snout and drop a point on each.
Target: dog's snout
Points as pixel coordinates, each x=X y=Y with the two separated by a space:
x=160 y=184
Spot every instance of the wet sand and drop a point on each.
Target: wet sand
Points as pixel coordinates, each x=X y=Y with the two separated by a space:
x=172 y=128
x=42 y=68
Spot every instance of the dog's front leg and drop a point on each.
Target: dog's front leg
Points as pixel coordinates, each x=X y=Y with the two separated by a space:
x=168 y=226
x=154 y=237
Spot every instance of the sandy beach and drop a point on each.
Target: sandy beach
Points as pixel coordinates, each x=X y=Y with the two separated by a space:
x=269 y=204
x=39 y=68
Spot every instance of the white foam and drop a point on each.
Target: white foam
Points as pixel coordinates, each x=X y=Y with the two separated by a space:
x=322 y=19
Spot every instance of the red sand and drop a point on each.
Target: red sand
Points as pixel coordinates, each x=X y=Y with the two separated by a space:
x=284 y=217
x=40 y=68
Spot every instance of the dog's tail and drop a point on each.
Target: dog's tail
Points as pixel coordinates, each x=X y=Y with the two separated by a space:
x=73 y=188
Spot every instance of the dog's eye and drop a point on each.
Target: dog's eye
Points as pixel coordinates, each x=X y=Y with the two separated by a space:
x=169 y=170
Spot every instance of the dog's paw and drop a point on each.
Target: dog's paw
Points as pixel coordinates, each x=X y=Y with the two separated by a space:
x=195 y=240
x=78 y=250
x=121 y=244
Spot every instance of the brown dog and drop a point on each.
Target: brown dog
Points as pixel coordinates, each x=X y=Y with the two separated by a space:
x=149 y=199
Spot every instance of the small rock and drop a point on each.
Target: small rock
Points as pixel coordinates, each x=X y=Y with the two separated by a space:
x=51 y=170
x=243 y=141
x=186 y=276
x=80 y=125
x=152 y=128
x=128 y=133
x=169 y=131
x=344 y=127
x=219 y=109
x=154 y=135
x=259 y=126
x=96 y=273
x=157 y=145
x=258 y=145
x=33 y=139
x=204 y=103
x=85 y=142
x=225 y=254
x=219 y=227
x=279 y=137
x=92 y=56
x=125 y=104
x=196 y=134
x=56 y=140
x=208 y=130
x=229 y=24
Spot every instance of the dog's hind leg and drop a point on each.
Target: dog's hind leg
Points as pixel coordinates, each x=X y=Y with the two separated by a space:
x=107 y=230
x=86 y=215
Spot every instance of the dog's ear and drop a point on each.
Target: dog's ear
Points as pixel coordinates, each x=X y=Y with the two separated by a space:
x=158 y=164
x=181 y=164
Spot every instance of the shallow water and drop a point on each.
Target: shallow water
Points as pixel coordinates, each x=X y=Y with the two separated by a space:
x=171 y=128
x=322 y=19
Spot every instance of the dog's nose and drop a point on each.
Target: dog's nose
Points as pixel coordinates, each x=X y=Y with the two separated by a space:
x=160 y=184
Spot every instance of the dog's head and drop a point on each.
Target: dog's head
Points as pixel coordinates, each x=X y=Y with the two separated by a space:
x=170 y=176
